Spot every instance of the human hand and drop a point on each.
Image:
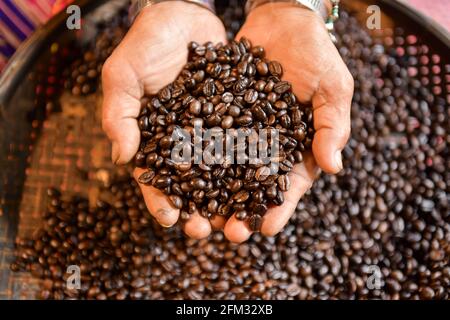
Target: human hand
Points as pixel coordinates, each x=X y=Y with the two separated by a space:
x=298 y=39
x=150 y=57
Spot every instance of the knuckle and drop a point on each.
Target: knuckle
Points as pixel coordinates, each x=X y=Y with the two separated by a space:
x=348 y=80
x=107 y=126
x=343 y=133
x=109 y=68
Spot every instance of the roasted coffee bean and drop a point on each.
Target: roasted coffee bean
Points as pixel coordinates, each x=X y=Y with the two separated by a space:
x=262 y=173
x=227 y=122
x=213 y=205
x=139 y=159
x=161 y=181
x=235 y=185
x=245 y=120
x=251 y=96
x=281 y=87
x=146 y=177
x=210 y=55
x=212 y=193
x=241 y=196
x=286 y=166
x=198 y=183
x=241 y=215
x=176 y=201
x=262 y=68
x=259 y=209
x=195 y=107
x=227 y=97
x=275 y=68
x=255 y=222
x=284 y=183
x=207 y=108
x=271 y=191
x=209 y=88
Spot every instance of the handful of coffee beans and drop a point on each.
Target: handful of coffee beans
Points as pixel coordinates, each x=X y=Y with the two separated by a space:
x=231 y=90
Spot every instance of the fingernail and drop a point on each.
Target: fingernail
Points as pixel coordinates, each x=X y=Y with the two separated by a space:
x=338 y=159
x=166 y=226
x=115 y=154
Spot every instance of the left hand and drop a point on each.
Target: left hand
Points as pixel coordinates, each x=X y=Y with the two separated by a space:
x=298 y=39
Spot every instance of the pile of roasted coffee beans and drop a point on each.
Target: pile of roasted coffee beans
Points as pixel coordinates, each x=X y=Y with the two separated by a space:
x=110 y=243
x=379 y=229
x=223 y=87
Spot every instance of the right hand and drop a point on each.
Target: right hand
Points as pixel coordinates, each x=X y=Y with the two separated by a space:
x=150 y=56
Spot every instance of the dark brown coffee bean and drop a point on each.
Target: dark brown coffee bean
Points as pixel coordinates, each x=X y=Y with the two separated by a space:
x=176 y=201
x=262 y=68
x=255 y=222
x=198 y=183
x=281 y=87
x=235 y=185
x=245 y=120
x=213 y=205
x=227 y=122
x=146 y=177
x=227 y=97
x=195 y=107
x=212 y=193
x=251 y=96
x=241 y=215
x=284 y=183
x=271 y=192
x=224 y=210
x=286 y=166
x=207 y=108
x=241 y=196
x=209 y=88
x=161 y=181
x=259 y=209
x=262 y=173
x=210 y=55
x=275 y=68
x=259 y=114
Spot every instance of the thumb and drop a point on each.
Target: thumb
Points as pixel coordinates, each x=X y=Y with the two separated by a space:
x=331 y=105
x=121 y=106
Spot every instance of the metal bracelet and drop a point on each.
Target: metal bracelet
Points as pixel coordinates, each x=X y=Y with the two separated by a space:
x=334 y=15
x=137 y=6
x=317 y=6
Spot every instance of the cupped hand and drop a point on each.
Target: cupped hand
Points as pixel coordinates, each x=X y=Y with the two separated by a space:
x=298 y=39
x=150 y=57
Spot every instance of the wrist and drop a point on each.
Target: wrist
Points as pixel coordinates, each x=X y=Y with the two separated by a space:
x=284 y=13
x=320 y=7
x=325 y=11
x=137 y=6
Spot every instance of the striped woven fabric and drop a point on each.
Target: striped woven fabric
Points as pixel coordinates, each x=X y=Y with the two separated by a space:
x=19 y=18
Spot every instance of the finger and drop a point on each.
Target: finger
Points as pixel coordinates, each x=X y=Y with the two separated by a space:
x=217 y=222
x=332 y=104
x=237 y=231
x=302 y=177
x=158 y=203
x=197 y=227
x=121 y=106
